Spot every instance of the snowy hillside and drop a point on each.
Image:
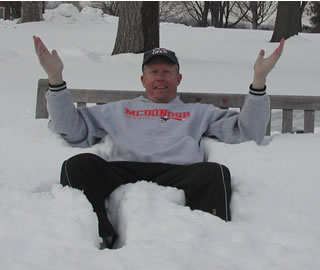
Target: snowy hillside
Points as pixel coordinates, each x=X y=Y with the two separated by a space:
x=275 y=185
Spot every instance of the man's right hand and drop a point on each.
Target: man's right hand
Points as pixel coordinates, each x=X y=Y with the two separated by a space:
x=50 y=62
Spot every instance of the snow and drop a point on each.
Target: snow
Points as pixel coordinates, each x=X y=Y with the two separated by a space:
x=275 y=185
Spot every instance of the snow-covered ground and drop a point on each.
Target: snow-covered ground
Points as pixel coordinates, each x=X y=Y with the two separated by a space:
x=276 y=185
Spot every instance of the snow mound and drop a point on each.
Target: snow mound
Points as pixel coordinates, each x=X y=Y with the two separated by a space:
x=69 y=14
x=129 y=204
x=92 y=14
x=8 y=24
x=38 y=214
x=65 y=14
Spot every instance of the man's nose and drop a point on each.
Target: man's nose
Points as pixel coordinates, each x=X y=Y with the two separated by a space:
x=160 y=76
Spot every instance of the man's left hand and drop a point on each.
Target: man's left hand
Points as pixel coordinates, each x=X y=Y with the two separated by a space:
x=263 y=66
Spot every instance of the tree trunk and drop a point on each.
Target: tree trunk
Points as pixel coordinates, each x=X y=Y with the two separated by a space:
x=204 y=22
x=222 y=8
x=214 y=10
x=138 y=28
x=255 y=17
x=31 y=11
x=287 y=21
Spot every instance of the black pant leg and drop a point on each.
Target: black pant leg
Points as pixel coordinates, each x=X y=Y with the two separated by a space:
x=207 y=186
x=98 y=179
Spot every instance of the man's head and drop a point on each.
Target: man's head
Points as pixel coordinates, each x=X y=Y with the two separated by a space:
x=161 y=75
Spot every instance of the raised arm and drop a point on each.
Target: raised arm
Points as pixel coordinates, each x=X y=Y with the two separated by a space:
x=263 y=66
x=50 y=62
x=252 y=122
x=77 y=126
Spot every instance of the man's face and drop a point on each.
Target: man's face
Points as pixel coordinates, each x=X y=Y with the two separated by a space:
x=161 y=80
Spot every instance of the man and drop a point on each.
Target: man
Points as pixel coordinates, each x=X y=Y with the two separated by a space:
x=156 y=137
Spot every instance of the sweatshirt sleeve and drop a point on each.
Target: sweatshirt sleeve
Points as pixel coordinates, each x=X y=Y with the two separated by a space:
x=250 y=124
x=78 y=126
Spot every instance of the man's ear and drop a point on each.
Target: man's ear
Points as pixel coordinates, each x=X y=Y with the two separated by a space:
x=179 y=78
x=142 y=80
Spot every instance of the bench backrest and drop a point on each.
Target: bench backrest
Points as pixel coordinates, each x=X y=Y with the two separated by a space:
x=286 y=103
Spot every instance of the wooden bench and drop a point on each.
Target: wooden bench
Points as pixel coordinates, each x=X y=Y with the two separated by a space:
x=286 y=103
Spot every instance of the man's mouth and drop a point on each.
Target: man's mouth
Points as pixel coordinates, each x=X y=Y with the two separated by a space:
x=161 y=87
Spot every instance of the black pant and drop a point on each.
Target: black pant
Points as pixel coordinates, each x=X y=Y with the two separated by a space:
x=207 y=185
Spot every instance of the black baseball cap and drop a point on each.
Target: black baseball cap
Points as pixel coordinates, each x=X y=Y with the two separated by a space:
x=160 y=52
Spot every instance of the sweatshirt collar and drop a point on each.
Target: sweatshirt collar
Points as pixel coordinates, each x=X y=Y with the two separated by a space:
x=176 y=100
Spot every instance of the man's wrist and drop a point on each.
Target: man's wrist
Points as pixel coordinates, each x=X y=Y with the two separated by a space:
x=55 y=80
x=258 y=83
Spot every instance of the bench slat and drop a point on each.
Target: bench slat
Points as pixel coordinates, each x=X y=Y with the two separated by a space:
x=309 y=118
x=41 y=105
x=295 y=102
x=81 y=104
x=287 y=121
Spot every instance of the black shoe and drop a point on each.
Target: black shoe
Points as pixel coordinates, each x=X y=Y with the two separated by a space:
x=108 y=242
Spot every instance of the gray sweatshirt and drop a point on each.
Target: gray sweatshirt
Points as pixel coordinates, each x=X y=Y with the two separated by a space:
x=144 y=131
